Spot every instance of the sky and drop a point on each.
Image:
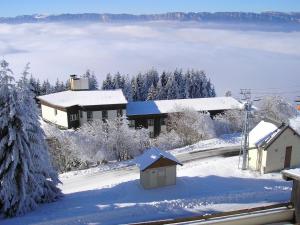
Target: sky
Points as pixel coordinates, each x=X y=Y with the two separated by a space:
x=21 y=7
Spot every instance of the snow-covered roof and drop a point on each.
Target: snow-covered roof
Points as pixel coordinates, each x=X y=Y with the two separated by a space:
x=151 y=155
x=177 y=105
x=261 y=132
x=85 y=98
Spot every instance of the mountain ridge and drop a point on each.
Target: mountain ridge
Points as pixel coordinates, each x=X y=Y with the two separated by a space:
x=232 y=17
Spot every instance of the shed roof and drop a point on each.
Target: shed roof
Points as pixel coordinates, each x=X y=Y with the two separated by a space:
x=265 y=133
x=260 y=132
x=268 y=141
x=177 y=105
x=152 y=155
x=85 y=98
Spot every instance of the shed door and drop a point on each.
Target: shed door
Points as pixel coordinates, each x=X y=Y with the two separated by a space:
x=161 y=176
x=288 y=155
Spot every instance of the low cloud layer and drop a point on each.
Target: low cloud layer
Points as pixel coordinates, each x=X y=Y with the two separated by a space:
x=232 y=58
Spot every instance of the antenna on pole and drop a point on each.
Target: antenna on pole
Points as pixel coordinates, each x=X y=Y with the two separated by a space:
x=246 y=97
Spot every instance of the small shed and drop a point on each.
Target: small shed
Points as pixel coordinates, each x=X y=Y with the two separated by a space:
x=157 y=168
x=273 y=148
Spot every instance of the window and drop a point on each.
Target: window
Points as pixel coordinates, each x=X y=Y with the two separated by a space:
x=73 y=117
x=89 y=115
x=119 y=112
x=162 y=121
x=151 y=134
x=80 y=114
x=151 y=122
x=55 y=112
x=104 y=115
x=131 y=123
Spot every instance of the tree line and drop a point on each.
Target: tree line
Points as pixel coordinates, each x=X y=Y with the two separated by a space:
x=168 y=85
x=142 y=87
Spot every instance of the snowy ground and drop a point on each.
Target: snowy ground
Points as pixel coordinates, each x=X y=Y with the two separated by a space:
x=114 y=197
x=226 y=140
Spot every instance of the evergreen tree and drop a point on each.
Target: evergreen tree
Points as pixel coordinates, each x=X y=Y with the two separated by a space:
x=163 y=79
x=150 y=78
x=140 y=92
x=93 y=83
x=117 y=81
x=26 y=177
x=178 y=75
x=127 y=90
x=172 y=88
x=46 y=88
x=57 y=87
x=68 y=85
x=107 y=83
x=152 y=93
x=134 y=89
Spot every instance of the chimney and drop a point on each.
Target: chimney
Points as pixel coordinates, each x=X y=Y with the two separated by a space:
x=78 y=83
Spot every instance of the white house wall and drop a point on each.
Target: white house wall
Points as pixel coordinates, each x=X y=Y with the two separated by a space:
x=276 y=152
x=61 y=118
x=253 y=159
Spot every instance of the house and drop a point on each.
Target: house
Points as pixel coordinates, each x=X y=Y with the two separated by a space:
x=71 y=109
x=157 y=168
x=153 y=114
x=273 y=148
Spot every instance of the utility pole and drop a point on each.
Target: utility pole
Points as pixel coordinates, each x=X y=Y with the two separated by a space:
x=246 y=96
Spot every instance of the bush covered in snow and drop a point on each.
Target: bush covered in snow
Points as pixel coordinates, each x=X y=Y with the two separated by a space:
x=114 y=139
x=276 y=108
x=168 y=140
x=229 y=122
x=95 y=142
x=191 y=126
x=60 y=148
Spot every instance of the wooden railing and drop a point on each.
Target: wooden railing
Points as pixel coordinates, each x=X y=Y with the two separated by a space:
x=239 y=215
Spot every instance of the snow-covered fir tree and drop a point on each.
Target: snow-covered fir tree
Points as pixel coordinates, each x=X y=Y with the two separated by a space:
x=127 y=90
x=93 y=83
x=26 y=175
x=175 y=85
x=152 y=93
x=108 y=83
x=172 y=88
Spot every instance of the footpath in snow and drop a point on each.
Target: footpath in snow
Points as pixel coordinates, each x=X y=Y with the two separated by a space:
x=226 y=140
x=114 y=197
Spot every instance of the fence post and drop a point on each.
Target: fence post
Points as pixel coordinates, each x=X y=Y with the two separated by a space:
x=295 y=197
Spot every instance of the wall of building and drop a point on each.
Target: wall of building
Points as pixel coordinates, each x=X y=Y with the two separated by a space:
x=276 y=152
x=257 y=159
x=253 y=159
x=97 y=115
x=158 y=177
x=61 y=118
